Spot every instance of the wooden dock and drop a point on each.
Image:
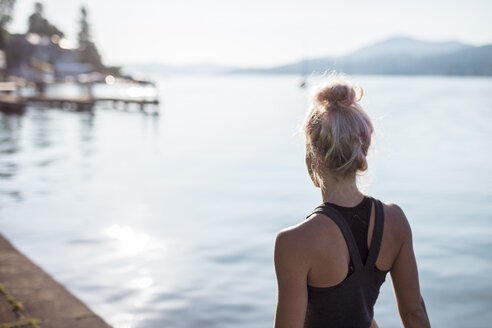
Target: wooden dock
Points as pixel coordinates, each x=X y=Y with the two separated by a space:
x=77 y=104
x=29 y=297
x=15 y=104
x=88 y=103
x=12 y=102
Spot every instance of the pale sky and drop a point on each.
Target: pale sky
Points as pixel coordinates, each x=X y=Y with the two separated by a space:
x=257 y=32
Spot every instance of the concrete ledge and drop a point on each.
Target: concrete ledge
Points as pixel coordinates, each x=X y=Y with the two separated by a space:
x=29 y=297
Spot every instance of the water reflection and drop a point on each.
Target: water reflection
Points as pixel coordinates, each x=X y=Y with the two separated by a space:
x=44 y=133
x=142 y=283
x=10 y=145
x=87 y=120
x=10 y=128
x=130 y=242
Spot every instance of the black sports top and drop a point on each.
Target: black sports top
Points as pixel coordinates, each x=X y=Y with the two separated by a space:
x=357 y=218
x=351 y=302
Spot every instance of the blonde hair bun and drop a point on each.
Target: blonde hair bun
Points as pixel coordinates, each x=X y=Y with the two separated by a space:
x=338 y=92
x=338 y=131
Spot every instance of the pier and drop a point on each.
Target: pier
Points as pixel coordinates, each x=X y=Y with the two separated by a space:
x=11 y=102
x=88 y=103
x=17 y=105
x=30 y=298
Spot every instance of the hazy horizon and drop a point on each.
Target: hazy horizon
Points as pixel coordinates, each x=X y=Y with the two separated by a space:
x=256 y=33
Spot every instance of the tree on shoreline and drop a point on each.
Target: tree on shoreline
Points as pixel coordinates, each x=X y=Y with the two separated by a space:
x=6 y=8
x=38 y=24
x=88 y=52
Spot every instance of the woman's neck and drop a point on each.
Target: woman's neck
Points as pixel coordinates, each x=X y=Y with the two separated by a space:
x=341 y=191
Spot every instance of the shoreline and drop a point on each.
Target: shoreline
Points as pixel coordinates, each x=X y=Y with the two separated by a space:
x=29 y=297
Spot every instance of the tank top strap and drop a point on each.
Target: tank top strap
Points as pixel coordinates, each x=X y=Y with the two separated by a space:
x=377 y=234
x=335 y=215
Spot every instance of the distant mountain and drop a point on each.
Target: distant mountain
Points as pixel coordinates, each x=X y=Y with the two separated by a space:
x=395 y=56
x=399 y=55
x=409 y=47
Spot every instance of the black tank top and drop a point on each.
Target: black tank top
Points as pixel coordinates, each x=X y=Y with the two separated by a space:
x=357 y=218
x=351 y=302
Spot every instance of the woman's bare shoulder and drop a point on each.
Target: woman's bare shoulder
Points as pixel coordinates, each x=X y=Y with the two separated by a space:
x=396 y=220
x=312 y=233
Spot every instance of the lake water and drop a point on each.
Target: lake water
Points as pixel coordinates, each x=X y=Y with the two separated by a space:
x=170 y=221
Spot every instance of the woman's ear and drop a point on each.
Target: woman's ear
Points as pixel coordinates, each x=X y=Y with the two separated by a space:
x=310 y=164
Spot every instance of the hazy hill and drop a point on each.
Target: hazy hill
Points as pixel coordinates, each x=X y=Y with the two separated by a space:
x=407 y=46
x=398 y=56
